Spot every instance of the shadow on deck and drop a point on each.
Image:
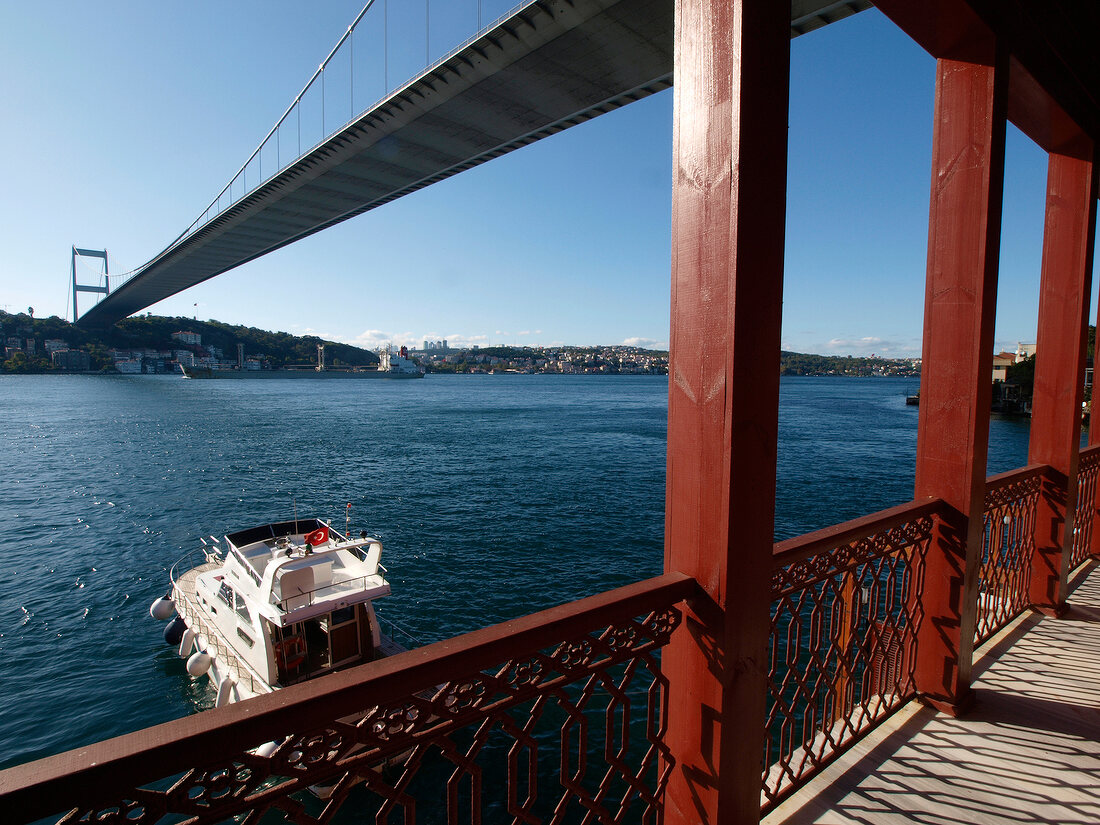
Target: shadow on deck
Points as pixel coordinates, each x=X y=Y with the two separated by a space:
x=1029 y=751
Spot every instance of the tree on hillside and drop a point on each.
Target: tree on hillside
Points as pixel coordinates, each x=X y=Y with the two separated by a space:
x=1022 y=375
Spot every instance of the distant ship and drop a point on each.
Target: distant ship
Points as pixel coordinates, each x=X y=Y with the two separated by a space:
x=390 y=365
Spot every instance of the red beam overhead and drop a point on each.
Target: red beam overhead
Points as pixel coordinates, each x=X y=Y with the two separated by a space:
x=1054 y=76
x=1035 y=113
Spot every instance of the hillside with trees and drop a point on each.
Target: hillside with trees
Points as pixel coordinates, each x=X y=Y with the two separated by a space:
x=154 y=332
x=799 y=363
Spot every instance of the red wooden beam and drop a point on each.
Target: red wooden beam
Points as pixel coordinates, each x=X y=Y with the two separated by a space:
x=943 y=28
x=1045 y=68
x=729 y=202
x=1064 y=294
x=960 y=305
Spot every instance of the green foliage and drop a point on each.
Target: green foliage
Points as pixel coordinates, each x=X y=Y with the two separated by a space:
x=18 y=363
x=798 y=363
x=155 y=332
x=1022 y=374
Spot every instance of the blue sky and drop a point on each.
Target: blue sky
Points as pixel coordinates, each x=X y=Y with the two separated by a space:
x=124 y=119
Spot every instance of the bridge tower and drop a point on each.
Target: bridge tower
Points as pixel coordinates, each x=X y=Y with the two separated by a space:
x=105 y=289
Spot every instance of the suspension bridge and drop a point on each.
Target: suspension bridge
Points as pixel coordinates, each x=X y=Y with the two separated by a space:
x=543 y=67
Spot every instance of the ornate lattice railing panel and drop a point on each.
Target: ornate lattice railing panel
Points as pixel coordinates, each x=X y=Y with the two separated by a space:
x=1088 y=469
x=1008 y=545
x=553 y=718
x=845 y=614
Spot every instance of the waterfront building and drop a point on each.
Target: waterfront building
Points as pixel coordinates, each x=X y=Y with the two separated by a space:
x=73 y=360
x=1001 y=362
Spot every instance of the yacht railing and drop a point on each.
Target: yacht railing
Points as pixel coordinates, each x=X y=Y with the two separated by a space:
x=236 y=667
x=395 y=632
x=192 y=559
x=351 y=584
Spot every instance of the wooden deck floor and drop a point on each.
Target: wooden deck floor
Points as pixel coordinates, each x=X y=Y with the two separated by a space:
x=1028 y=752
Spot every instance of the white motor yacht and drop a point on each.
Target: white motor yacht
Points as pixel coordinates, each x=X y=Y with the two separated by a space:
x=280 y=604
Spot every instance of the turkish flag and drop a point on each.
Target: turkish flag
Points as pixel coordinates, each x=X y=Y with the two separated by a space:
x=318 y=536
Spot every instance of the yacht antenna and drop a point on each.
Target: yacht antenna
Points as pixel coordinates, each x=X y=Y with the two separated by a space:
x=292 y=501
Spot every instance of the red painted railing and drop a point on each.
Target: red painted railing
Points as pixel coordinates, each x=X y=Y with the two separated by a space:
x=1088 y=469
x=1007 y=548
x=560 y=711
x=845 y=613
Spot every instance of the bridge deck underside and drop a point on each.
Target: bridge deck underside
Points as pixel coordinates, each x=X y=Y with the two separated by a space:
x=550 y=66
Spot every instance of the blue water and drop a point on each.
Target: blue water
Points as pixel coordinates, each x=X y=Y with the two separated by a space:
x=494 y=496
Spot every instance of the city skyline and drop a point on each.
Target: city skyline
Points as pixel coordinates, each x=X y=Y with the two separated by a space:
x=125 y=137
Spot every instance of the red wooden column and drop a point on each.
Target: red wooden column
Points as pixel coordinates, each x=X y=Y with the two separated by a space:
x=1094 y=424
x=956 y=374
x=1060 y=345
x=729 y=203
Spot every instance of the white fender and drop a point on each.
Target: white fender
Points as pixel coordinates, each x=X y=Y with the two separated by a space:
x=225 y=691
x=267 y=748
x=162 y=609
x=199 y=663
x=186 y=642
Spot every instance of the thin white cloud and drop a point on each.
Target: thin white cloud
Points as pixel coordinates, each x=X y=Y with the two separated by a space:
x=645 y=343
x=872 y=345
x=375 y=338
x=1010 y=346
x=461 y=341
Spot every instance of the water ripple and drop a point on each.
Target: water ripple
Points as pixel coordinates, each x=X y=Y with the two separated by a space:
x=494 y=496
